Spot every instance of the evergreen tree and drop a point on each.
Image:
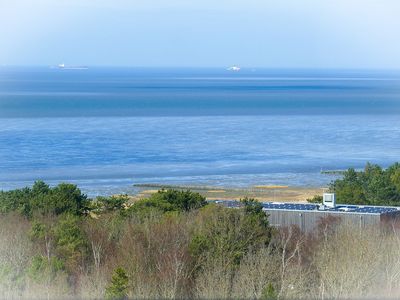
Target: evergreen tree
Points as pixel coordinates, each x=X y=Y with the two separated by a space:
x=118 y=288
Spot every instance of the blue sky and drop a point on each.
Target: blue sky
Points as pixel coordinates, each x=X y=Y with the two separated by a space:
x=206 y=33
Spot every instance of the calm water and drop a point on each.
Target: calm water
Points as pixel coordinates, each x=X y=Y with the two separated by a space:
x=106 y=129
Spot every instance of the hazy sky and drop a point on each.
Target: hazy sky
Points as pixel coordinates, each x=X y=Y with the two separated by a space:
x=205 y=33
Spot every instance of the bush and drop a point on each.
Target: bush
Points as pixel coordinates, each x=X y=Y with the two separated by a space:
x=43 y=269
x=168 y=201
x=269 y=293
x=316 y=199
x=118 y=288
x=227 y=233
x=107 y=204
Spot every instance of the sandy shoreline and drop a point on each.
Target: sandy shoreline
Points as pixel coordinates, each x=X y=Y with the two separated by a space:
x=261 y=193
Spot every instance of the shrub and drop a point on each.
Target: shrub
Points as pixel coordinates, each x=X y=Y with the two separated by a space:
x=269 y=293
x=316 y=199
x=118 y=288
x=43 y=269
x=227 y=233
x=168 y=201
x=106 y=204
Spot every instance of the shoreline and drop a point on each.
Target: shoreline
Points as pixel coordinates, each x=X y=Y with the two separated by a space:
x=267 y=193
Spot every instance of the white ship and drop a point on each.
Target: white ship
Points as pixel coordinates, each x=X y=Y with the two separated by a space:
x=64 y=66
x=234 y=69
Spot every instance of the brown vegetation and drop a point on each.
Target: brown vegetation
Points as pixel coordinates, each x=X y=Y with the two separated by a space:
x=155 y=250
x=261 y=193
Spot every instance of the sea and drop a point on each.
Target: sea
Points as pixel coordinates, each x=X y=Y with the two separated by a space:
x=110 y=129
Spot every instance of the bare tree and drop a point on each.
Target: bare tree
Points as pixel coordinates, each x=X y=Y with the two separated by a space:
x=256 y=271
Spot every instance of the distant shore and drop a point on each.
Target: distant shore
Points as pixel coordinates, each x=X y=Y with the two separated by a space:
x=278 y=193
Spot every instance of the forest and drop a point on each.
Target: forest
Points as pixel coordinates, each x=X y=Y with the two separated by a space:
x=372 y=186
x=57 y=243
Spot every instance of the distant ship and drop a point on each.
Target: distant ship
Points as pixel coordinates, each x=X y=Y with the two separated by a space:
x=234 y=69
x=64 y=66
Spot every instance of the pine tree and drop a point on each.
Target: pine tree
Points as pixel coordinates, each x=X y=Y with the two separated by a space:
x=118 y=288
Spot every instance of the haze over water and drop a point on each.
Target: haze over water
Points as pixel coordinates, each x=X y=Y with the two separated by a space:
x=108 y=128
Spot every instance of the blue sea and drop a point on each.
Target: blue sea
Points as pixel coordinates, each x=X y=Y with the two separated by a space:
x=107 y=129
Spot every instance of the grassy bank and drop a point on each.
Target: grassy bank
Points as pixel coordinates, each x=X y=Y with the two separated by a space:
x=261 y=193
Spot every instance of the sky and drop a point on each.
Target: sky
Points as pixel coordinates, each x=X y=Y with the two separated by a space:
x=202 y=33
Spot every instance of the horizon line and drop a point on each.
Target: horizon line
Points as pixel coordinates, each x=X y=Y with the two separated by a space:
x=246 y=68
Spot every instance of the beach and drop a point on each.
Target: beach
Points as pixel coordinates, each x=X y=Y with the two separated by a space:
x=267 y=193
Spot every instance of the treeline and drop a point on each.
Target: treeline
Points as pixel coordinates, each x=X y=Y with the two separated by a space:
x=372 y=186
x=55 y=242
x=58 y=244
x=43 y=200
